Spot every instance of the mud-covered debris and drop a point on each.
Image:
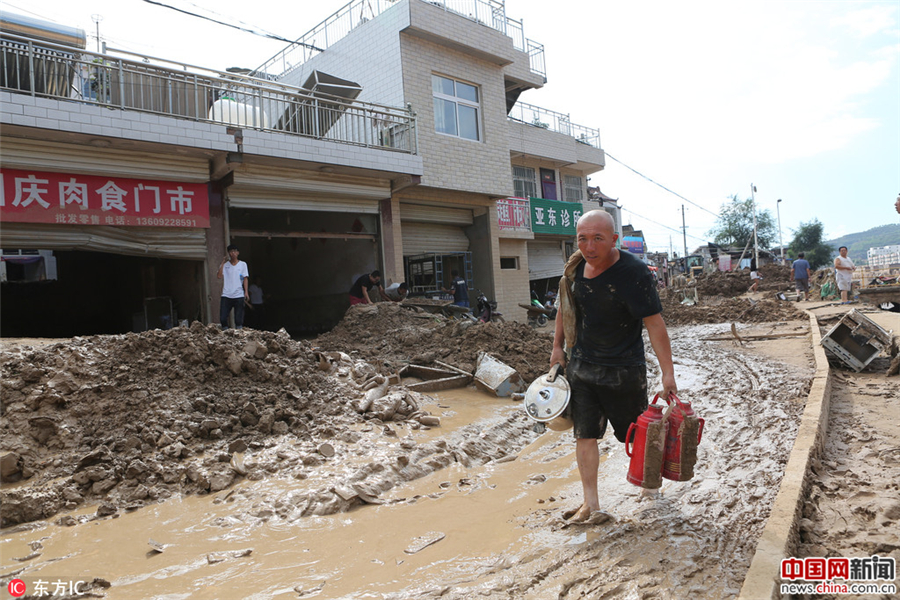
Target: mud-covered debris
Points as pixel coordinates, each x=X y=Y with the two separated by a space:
x=421 y=542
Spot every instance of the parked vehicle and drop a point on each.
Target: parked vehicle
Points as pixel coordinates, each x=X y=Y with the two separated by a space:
x=487 y=309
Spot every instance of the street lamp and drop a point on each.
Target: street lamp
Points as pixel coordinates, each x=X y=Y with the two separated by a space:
x=780 y=241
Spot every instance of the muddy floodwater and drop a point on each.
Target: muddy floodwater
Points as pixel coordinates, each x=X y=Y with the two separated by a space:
x=471 y=508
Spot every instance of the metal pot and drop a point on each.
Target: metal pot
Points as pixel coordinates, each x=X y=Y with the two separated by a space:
x=547 y=399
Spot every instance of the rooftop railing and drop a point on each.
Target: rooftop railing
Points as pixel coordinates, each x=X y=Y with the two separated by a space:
x=554 y=121
x=179 y=90
x=490 y=13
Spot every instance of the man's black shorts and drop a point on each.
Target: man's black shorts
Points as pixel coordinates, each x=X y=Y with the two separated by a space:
x=601 y=394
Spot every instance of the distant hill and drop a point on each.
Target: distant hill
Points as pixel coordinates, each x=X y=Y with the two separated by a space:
x=858 y=244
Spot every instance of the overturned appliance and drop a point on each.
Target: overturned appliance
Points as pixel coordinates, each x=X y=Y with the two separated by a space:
x=857 y=340
x=496 y=377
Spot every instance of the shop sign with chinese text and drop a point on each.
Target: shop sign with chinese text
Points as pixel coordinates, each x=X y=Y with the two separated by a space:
x=512 y=213
x=554 y=216
x=67 y=199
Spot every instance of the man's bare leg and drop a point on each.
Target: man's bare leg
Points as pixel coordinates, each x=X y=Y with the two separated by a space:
x=587 y=454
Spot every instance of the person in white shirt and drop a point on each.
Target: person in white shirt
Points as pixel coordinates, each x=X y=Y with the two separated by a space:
x=843 y=274
x=235 y=289
x=397 y=291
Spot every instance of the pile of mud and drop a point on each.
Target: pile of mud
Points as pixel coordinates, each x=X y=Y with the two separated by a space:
x=126 y=420
x=390 y=336
x=117 y=418
x=776 y=278
x=731 y=310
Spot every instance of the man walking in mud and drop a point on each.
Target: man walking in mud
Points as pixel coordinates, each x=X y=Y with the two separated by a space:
x=606 y=298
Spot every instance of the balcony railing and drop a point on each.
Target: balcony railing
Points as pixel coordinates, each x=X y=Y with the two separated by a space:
x=554 y=121
x=190 y=92
x=490 y=13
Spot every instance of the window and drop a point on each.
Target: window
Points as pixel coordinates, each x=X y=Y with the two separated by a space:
x=511 y=262
x=456 y=108
x=523 y=182
x=573 y=188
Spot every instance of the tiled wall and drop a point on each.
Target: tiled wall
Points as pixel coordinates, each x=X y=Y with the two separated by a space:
x=74 y=117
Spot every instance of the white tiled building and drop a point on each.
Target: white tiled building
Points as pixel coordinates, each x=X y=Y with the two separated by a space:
x=884 y=256
x=461 y=67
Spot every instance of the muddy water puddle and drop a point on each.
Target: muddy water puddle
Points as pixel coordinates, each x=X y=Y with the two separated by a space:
x=471 y=516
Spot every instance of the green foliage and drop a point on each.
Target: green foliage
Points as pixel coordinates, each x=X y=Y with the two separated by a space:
x=858 y=244
x=734 y=227
x=808 y=239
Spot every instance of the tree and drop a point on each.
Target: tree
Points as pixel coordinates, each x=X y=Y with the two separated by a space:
x=734 y=227
x=808 y=239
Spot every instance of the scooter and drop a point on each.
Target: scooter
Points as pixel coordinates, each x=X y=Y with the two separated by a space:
x=538 y=315
x=487 y=309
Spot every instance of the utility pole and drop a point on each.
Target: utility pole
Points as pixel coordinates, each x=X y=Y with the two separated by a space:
x=97 y=19
x=780 y=241
x=755 y=242
x=684 y=233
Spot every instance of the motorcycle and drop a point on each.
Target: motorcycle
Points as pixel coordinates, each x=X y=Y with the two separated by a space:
x=538 y=314
x=487 y=309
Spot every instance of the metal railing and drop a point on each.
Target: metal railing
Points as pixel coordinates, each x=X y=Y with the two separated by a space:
x=554 y=121
x=490 y=13
x=191 y=92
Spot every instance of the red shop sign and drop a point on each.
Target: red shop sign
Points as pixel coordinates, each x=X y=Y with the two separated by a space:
x=512 y=213
x=67 y=199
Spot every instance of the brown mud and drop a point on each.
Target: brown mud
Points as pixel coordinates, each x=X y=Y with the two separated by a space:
x=214 y=443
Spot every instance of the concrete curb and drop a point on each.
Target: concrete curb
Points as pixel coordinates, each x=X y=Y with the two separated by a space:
x=779 y=538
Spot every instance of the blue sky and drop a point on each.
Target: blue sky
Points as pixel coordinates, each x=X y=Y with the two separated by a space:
x=800 y=98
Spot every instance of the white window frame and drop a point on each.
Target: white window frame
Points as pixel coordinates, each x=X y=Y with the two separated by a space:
x=523 y=180
x=569 y=188
x=458 y=101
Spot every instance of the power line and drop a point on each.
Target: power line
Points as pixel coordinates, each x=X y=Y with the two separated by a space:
x=665 y=226
x=658 y=184
x=260 y=32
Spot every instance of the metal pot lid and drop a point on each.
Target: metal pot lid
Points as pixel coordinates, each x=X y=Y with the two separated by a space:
x=545 y=400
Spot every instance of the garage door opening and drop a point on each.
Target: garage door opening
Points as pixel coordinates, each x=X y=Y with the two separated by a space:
x=306 y=262
x=103 y=293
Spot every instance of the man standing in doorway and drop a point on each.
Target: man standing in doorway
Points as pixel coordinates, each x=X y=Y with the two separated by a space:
x=606 y=297
x=459 y=288
x=843 y=274
x=801 y=273
x=235 y=289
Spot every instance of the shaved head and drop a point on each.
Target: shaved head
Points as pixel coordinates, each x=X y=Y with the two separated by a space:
x=597 y=217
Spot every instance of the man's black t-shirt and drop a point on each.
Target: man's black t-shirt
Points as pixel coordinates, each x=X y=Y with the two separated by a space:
x=610 y=309
x=460 y=290
x=363 y=281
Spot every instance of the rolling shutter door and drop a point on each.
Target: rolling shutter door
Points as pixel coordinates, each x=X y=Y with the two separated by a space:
x=19 y=153
x=189 y=244
x=422 y=238
x=418 y=213
x=243 y=197
x=545 y=259
x=434 y=229
x=276 y=188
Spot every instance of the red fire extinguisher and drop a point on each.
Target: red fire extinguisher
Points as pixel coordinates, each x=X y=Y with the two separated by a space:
x=682 y=439
x=647 y=437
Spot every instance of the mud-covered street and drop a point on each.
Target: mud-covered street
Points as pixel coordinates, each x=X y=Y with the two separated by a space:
x=207 y=464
